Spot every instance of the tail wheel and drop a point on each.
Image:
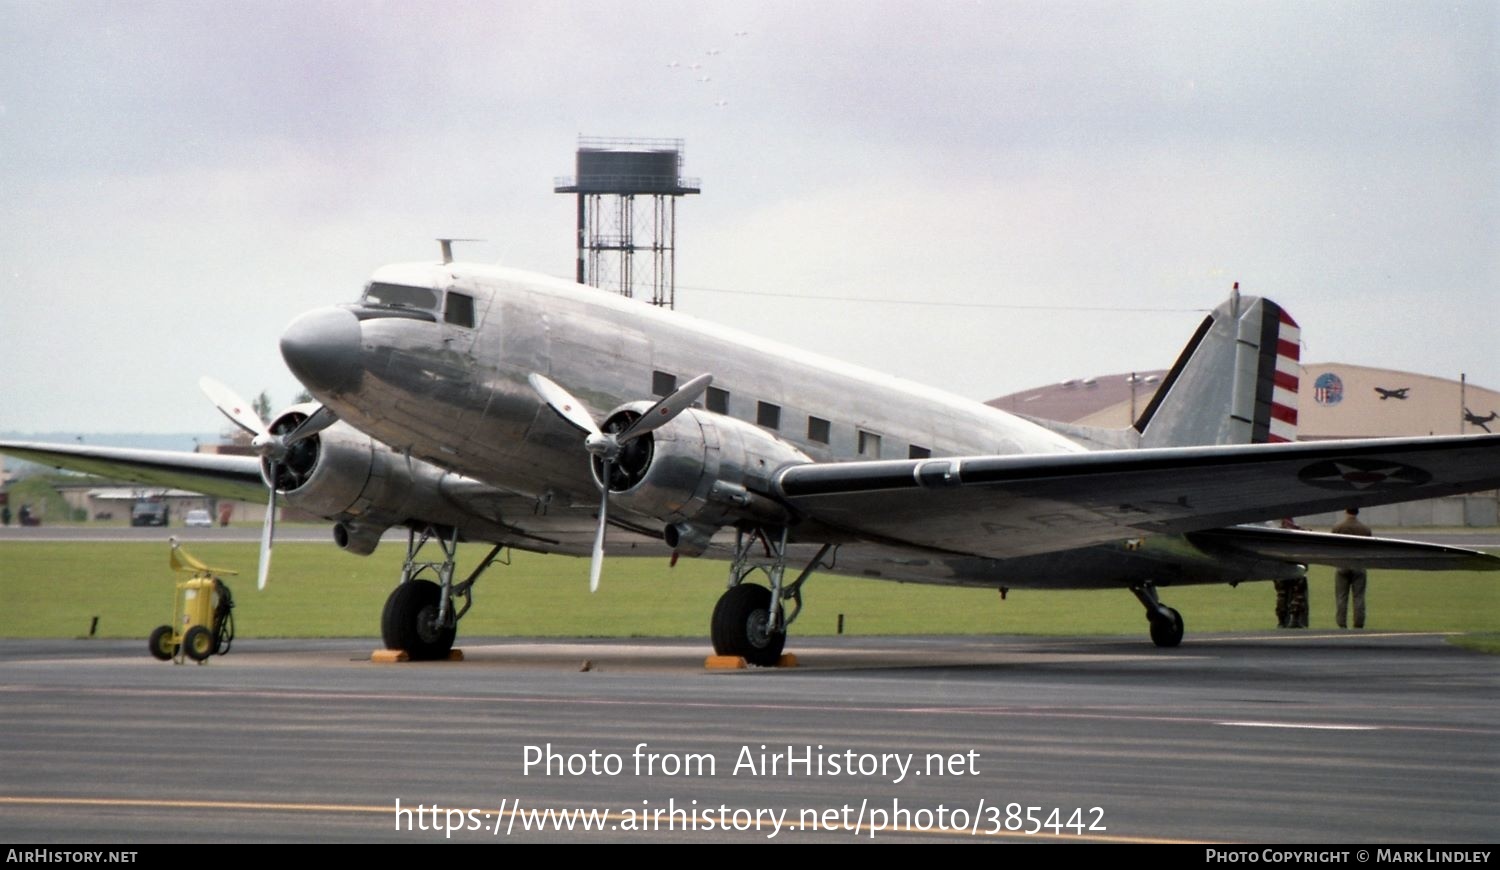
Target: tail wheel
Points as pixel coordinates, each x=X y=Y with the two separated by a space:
x=410 y=621
x=739 y=626
x=161 y=644
x=199 y=643
x=1167 y=633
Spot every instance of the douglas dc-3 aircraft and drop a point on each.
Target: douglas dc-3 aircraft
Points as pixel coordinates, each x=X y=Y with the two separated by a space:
x=476 y=403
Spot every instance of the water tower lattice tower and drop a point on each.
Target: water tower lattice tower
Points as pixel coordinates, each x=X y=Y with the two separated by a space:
x=627 y=192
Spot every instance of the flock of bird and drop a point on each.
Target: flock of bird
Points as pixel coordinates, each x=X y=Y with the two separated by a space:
x=699 y=71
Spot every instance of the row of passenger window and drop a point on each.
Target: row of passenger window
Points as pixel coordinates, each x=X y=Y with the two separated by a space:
x=768 y=415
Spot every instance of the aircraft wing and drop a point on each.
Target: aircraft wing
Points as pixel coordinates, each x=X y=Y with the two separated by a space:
x=1004 y=506
x=236 y=477
x=1340 y=551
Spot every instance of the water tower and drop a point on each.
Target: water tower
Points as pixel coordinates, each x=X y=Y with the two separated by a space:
x=627 y=214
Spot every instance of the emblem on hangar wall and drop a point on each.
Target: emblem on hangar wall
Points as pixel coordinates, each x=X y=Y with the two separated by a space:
x=1328 y=389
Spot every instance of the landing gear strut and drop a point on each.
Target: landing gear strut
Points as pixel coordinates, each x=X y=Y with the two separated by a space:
x=751 y=621
x=1166 y=622
x=420 y=615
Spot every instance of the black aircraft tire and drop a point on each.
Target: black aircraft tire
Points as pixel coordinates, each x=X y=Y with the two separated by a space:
x=199 y=643
x=1165 y=633
x=738 y=626
x=407 y=622
x=161 y=645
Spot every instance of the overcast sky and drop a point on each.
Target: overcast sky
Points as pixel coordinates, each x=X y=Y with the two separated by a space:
x=179 y=180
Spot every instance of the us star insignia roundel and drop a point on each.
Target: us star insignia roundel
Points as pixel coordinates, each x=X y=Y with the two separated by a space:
x=1362 y=474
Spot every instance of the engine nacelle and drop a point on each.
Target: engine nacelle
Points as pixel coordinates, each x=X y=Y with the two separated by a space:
x=698 y=473
x=340 y=472
x=363 y=485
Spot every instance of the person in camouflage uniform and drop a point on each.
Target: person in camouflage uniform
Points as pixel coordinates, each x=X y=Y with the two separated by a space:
x=1296 y=606
x=1291 y=596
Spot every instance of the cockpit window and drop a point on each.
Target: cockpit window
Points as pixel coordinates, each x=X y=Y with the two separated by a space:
x=401 y=296
x=460 y=310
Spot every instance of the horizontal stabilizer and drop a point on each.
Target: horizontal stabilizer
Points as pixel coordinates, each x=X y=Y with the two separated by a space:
x=1090 y=437
x=1340 y=551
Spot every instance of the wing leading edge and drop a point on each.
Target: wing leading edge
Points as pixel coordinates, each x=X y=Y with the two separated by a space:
x=236 y=477
x=1005 y=506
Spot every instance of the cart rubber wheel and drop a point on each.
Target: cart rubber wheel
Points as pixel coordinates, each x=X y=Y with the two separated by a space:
x=161 y=644
x=198 y=643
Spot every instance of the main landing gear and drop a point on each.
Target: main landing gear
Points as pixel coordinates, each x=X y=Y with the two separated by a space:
x=421 y=616
x=1166 y=623
x=750 y=621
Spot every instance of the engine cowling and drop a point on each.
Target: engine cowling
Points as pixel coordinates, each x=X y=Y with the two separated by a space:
x=363 y=485
x=698 y=473
x=324 y=474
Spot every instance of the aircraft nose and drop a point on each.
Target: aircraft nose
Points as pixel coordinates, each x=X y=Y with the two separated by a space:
x=322 y=349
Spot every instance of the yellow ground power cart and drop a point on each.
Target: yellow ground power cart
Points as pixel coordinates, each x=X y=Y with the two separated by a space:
x=202 y=613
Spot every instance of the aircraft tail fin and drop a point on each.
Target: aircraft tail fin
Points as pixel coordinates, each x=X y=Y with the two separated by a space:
x=1234 y=383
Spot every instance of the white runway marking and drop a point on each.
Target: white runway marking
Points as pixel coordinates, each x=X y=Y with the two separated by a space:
x=1303 y=725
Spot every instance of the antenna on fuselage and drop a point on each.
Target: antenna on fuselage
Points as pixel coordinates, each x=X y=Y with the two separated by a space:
x=448 y=248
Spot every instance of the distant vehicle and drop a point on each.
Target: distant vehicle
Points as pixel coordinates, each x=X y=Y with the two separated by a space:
x=198 y=518
x=149 y=512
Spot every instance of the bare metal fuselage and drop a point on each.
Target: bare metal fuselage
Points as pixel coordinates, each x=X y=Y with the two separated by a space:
x=458 y=397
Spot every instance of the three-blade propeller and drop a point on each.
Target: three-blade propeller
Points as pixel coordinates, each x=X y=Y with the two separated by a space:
x=606 y=446
x=269 y=446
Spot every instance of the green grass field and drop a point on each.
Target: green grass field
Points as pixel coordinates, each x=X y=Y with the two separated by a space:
x=56 y=589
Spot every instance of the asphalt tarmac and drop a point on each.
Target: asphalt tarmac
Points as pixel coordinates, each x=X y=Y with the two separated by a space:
x=1276 y=738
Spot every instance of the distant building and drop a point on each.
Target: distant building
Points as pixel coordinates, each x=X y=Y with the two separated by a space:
x=1337 y=400
x=102 y=501
x=1106 y=401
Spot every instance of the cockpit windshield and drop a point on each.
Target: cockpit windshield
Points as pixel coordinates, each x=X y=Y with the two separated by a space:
x=401 y=296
